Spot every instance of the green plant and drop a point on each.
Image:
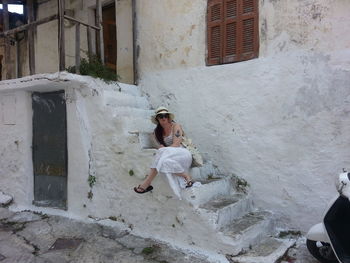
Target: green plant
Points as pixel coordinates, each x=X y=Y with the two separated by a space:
x=148 y=250
x=93 y=66
x=131 y=172
x=90 y=194
x=92 y=180
x=241 y=184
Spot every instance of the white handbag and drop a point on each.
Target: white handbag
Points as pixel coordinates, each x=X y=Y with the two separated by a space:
x=197 y=159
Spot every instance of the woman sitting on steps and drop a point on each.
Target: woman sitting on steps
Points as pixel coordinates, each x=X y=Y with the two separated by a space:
x=171 y=157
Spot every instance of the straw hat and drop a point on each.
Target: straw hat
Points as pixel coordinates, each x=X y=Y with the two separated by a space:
x=161 y=110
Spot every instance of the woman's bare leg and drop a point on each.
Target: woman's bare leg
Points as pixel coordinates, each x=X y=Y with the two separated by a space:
x=147 y=182
x=186 y=176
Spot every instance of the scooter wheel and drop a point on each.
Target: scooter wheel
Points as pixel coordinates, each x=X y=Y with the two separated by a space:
x=322 y=251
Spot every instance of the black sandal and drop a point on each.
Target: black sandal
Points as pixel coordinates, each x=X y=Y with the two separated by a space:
x=137 y=189
x=189 y=184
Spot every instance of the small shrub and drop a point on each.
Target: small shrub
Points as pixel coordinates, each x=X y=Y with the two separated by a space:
x=92 y=180
x=148 y=250
x=90 y=195
x=241 y=184
x=93 y=66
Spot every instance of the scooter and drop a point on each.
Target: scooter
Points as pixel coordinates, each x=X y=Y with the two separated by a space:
x=329 y=241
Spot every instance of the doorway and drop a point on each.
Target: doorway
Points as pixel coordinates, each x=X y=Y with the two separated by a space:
x=109 y=36
x=50 y=149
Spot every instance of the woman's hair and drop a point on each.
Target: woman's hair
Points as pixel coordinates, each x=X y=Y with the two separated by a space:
x=158 y=131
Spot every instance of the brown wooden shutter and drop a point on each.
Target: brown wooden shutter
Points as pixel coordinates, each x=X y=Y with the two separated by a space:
x=230 y=31
x=214 y=31
x=249 y=46
x=232 y=28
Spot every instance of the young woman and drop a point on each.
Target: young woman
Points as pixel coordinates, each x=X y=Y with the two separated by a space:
x=171 y=157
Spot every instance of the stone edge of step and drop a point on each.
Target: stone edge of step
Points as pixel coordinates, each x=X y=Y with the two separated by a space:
x=273 y=257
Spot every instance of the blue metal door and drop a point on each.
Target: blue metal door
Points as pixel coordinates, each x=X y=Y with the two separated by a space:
x=50 y=149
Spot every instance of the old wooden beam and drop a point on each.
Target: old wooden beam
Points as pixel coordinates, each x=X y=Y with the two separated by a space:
x=61 y=39
x=31 y=30
x=99 y=44
x=8 y=63
x=89 y=40
x=26 y=26
x=77 y=48
x=81 y=22
x=5 y=15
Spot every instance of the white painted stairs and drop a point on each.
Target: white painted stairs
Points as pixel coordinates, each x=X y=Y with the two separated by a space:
x=227 y=207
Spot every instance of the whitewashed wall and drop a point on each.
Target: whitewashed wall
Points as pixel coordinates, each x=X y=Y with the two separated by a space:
x=281 y=121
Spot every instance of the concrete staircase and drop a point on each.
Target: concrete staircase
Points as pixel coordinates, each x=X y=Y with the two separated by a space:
x=221 y=200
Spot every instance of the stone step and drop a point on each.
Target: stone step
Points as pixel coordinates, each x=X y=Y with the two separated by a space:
x=124 y=88
x=130 y=112
x=205 y=172
x=118 y=99
x=249 y=230
x=136 y=125
x=270 y=250
x=222 y=211
x=210 y=189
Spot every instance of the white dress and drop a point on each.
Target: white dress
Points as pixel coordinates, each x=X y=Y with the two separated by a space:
x=173 y=160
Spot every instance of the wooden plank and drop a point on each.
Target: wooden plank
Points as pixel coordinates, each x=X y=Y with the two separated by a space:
x=8 y=63
x=81 y=22
x=99 y=44
x=61 y=39
x=77 y=48
x=89 y=40
x=30 y=8
x=5 y=15
x=134 y=42
x=26 y=27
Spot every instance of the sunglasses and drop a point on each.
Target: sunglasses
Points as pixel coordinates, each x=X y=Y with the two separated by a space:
x=163 y=115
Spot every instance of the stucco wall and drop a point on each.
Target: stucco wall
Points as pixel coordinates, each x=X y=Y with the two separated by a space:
x=15 y=144
x=281 y=121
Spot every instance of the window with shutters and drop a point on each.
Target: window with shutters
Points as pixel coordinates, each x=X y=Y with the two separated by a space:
x=232 y=28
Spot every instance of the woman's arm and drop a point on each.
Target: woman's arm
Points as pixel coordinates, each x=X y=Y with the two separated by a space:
x=177 y=135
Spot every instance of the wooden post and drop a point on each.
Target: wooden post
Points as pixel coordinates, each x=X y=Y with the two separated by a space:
x=8 y=63
x=77 y=48
x=99 y=44
x=61 y=40
x=30 y=11
x=134 y=42
x=89 y=40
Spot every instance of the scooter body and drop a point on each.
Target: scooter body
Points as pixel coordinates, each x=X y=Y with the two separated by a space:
x=329 y=241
